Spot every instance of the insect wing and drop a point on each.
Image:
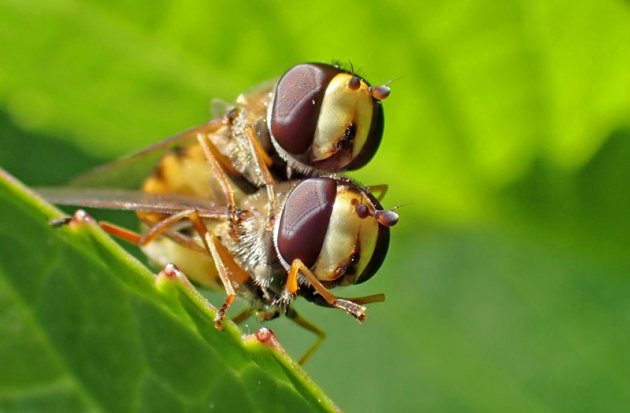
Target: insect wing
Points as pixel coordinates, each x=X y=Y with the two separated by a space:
x=259 y=92
x=132 y=201
x=131 y=170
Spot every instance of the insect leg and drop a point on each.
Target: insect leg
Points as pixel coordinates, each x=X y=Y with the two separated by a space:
x=134 y=237
x=374 y=298
x=263 y=161
x=221 y=176
x=297 y=266
x=120 y=232
x=218 y=170
x=128 y=235
x=230 y=272
x=260 y=157
x=171 y=271
x=223 y=160
x=307 y=325
x=243 y=315
x=157 y=229
x=381 y=190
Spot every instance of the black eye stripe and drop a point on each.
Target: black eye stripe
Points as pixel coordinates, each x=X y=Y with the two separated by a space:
x=351 y=131
x=373 y=140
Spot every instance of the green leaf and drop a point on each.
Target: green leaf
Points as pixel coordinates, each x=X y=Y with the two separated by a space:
x=506 y=140
x=85 y=327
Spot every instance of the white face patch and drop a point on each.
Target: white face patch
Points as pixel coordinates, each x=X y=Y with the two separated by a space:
x=347 y=234
x=340 y=108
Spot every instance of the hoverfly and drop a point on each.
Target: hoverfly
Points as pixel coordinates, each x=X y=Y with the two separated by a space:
x=316 y=120
x=219 y=207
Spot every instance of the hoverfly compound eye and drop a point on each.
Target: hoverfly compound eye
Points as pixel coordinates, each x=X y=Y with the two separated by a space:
x=332 y=226
x=326 y=118
x=296 y=105
x=305 y=219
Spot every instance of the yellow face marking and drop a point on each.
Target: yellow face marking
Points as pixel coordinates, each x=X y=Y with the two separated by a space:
x=340 y=108
x=347 y=234
x=368 y=235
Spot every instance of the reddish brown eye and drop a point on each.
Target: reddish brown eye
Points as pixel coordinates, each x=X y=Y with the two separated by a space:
x=296 y=105
x=378 y=256
x=304 y=220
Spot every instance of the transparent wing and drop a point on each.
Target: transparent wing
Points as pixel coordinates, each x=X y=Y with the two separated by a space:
x=219 y=107
x=131 y=170
x=258 y=96
x=131 y=201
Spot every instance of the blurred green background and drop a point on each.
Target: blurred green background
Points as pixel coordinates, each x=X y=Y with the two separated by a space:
x=507 y=139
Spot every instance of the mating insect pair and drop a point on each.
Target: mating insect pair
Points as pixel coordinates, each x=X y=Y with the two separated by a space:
x=249 y=201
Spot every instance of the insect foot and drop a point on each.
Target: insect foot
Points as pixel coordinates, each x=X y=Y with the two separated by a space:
x=79 y=217
x=218 y=319
x=354 y=309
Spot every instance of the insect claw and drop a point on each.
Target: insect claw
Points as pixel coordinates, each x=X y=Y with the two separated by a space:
x=286 y=297
x=59 y=222
x=354 y=309
x=79 y=217
x=218 y=318
x=218 y=321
